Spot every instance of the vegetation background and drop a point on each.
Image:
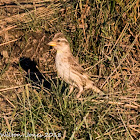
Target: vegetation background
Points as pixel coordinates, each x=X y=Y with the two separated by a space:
x=104 y=35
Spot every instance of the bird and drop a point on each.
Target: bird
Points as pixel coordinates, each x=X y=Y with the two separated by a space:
x=68 y=68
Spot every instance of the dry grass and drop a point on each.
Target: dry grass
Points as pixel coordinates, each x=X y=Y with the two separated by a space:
x=104 y=35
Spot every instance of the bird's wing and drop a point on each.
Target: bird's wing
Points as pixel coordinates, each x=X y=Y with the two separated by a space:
x=75 y=66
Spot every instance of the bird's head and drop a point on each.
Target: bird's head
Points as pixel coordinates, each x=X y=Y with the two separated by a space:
x=60 y=43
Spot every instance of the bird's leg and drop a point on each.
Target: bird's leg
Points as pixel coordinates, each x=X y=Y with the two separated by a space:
x=71 y=89
x=80 y=91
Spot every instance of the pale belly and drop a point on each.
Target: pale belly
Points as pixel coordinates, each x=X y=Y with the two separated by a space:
x=66 y=73
x=63 y=68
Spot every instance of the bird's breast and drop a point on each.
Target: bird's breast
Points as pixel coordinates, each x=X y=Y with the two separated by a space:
x=62 y=66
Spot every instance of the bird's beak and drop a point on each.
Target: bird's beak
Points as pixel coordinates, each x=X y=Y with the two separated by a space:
x=52 y=43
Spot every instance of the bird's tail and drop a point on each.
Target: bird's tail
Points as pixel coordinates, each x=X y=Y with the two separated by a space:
x=90 y=85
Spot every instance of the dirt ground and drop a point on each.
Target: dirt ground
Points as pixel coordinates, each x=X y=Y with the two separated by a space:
x=22 y=53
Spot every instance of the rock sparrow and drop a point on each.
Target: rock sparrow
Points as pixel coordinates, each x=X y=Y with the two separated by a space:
x=68 y=68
